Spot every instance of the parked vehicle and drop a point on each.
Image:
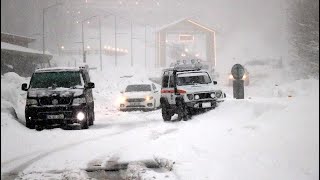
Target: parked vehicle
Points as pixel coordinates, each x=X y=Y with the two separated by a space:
x=140 y=97
x=59 y=96
x=187 y=89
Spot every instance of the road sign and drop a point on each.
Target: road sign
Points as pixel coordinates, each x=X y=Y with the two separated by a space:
x=237 y=71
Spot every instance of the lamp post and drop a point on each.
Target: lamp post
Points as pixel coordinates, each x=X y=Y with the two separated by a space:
x=43 y=32
x=82 y=38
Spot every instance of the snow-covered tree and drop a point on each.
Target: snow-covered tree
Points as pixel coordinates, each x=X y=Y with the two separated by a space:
x=304 y=26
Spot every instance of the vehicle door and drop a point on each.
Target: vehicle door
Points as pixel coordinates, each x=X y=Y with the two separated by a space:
x=165 y=90
x=168 y=91
x=87 y=92
x=172 y=98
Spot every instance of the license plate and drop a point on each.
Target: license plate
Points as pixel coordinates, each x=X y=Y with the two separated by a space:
x=59 y=116
x=135 y=103
x=206 y=104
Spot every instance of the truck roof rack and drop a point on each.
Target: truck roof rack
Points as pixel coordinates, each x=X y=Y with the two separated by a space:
x=193 y=66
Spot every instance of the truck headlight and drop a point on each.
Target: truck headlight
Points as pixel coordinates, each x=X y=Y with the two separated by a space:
x=213 y=95
x=78 y=101
x=190 y=96
x=196 y=97
x=32 y=102
x=218 y=94
x=148 y=98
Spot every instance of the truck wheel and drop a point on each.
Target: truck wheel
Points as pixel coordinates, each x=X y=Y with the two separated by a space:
x=182 y=111
x=165 y=112
x=30 y=124
x=85 y=124
x=91 y=120
x=39 y=127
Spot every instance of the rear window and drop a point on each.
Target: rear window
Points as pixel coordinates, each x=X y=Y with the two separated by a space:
x=138 y=88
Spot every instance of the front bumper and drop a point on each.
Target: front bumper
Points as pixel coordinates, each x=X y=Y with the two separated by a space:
x=41 y=114
x=202 y=104
x=145 y=105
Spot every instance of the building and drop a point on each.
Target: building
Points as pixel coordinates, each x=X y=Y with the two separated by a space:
x=17 y=57
x=185 y=39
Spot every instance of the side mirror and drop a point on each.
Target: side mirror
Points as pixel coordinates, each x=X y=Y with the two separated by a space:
x=24 y=87
x=215 y=82
x=90 y=85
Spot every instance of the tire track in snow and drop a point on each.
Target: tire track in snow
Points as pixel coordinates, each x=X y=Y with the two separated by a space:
x=12 y=174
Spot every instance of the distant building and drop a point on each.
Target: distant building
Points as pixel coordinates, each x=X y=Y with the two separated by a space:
x=185 y=39
x=17 y=57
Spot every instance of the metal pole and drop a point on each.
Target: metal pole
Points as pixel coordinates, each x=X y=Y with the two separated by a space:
x=131 y=48
x=155 y=48
x=82 y=37
x=145 y=46
x=43 y=38
x=100 y=44
x=115 y=40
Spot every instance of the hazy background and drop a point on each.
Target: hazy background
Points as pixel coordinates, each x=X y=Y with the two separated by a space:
x=245 y=28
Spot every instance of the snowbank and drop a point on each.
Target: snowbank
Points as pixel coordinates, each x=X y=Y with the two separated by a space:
x=12 y=97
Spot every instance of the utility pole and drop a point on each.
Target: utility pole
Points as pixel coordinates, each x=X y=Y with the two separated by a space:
x=82 y=38
x=43 y=30
x=115 y=40
x=145 y=47
x=131 y=48
x=100 y=43
x=43 y=40
x=82 y=41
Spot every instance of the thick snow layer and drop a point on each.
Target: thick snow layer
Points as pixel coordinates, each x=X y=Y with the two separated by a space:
x=14 y=47
x=271 y=134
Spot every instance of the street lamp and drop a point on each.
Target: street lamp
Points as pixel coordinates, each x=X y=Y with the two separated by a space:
x=43 y=32
x=82 y=37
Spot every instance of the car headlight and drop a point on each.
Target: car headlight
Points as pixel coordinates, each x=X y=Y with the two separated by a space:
x=230 y=76
x=78 y=101
x=80 y=116
x=190 y=96
x=122 y=99
x=213 y=95
x=244 y=77
x=196 y=97
x=32 y=102
x=218 y=94
x=148 y=98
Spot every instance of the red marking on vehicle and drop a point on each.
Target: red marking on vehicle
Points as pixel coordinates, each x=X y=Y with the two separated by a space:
x=180 y=91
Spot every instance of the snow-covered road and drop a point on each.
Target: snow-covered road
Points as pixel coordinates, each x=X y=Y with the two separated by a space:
x=261 y=137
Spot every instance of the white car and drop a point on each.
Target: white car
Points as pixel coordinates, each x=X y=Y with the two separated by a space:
x=140 y=97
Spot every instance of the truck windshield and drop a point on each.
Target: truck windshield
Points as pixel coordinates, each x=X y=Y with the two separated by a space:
x=193 y=78
x=138 y=87
x=57 y=79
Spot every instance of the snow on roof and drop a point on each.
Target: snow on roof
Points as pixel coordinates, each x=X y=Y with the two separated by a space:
x=58 y=69
x=12 y=47
x=15 y=35
x=187 y=19
x=172 y=23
